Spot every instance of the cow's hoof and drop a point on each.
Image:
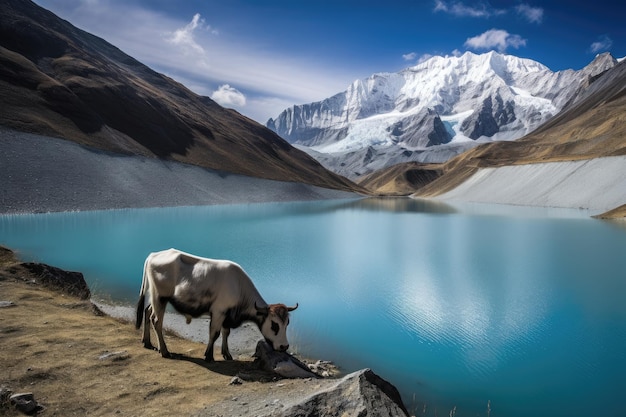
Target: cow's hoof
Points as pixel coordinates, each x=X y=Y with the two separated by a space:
x=166 y=355
x=208 y=359
x=148 y=346
x=228 y=357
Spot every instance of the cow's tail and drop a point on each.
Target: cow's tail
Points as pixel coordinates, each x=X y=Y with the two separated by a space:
x=142 y=296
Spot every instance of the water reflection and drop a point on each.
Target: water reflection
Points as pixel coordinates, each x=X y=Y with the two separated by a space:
x=380 y=204
x=401 y=205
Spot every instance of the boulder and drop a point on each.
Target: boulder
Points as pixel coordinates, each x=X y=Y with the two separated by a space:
x=362 y=393
x=359 y=394
x=72 y=283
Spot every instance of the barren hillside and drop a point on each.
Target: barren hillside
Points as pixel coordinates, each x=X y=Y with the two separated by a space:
x=57 y=80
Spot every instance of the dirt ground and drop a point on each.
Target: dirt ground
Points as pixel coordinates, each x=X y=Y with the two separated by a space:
x=77 y=361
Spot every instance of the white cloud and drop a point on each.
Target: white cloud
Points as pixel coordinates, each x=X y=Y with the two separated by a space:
x=603 y=43
x=485 y=10
x=424 y=58
x=532 y=14
x=459 y=9
x=495 y=38
x=410 y=56
x=189 y=52
x=228 y=96
x=183 y=37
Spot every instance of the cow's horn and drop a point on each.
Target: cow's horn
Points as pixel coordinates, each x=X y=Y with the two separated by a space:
x=292 y=308
x=262 y=310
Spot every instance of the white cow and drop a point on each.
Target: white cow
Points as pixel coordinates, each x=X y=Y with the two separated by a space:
x=196 y=286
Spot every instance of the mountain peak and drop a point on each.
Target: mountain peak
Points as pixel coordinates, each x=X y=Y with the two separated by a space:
x=602 y=62
x=492 y=59
x=473 y=97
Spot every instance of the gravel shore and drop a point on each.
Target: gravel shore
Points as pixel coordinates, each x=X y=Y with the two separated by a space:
x=44 y=174
x=597 y=185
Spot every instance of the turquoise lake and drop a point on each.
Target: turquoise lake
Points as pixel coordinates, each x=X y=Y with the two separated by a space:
x=522 y=310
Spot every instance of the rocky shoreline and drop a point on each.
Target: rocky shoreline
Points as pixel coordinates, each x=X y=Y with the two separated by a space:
x=64 y=356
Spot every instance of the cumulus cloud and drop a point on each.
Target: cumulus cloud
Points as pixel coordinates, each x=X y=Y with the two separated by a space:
x=410 y=56
x=184 y=36
x=424 y=58
x=460 y=9
x=495 y=39
x=532 y=14
x=228 y=96
x=603 y=43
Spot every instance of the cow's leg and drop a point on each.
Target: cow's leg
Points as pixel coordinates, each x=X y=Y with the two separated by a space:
x=225 y=352
x=158 y=313
x=214 y=333
x=146 y=327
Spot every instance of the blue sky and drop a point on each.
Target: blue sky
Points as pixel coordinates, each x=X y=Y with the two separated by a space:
x=260 y=57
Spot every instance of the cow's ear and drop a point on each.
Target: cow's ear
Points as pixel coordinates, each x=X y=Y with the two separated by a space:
x=263 y=311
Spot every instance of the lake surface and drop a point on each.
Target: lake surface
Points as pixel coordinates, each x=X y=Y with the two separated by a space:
x=520 y=310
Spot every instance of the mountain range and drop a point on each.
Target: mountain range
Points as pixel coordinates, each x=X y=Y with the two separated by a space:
x=593 y=126
x=57 y=80
x=432 y=111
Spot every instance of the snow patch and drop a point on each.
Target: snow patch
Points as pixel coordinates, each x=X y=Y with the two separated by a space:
x=454 y=121
x=521 y=92
x=373 y=131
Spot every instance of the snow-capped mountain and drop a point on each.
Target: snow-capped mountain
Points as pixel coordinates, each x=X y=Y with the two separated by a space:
x=432 y=111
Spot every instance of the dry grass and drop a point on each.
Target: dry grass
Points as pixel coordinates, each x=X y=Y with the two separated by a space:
x=52 y=345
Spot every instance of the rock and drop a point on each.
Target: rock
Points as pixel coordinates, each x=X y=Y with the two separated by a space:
x=114 y=356
x=362 y=393
x=281 y=363
x=5 y=393
x=323 y=368
x=235 y=381
x=25 y=403
x=72 y=283
x=7 y=304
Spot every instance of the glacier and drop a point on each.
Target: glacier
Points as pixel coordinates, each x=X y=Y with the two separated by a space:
x=432 y=111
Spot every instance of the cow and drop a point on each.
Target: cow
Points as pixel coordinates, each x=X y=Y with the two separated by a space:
x=196 y=286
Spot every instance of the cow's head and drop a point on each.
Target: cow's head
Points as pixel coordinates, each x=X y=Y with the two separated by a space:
x=274 y=324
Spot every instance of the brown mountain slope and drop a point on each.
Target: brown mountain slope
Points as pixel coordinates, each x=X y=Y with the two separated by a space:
x=401 y=179
x=594 y=126
x=60 y=81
